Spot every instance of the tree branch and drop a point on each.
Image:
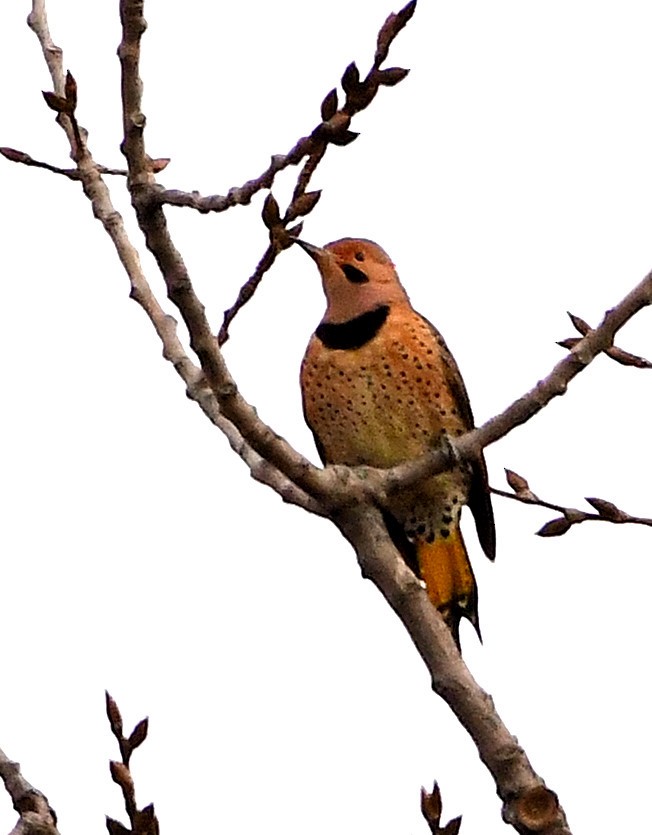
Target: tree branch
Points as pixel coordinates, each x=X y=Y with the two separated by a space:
x=333 y=129
x=165 y=326
x=607 y=511
x=152 y=222
x=143 y=821
x=71 y=173
x=507 y=762
x=301 y=204
x=342 y=491
x=360 y=523
x=469 y=445
x=37 y=817
x=617 y=354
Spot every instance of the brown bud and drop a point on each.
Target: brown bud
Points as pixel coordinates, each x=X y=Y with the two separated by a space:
x=390 y=29
x=452 y=827
x=579 y=324
x=392 y=76
x=120 y=775
x=351 y=79
x=113 y=712
x=56 y=103
x=569 y=343
x=329 y=105
x=146 y=822
x=14 y=155
x=271 y=214
x=71 y=92
x=431 y=806
x=431 y=809
x=139 y=734
x=405 y=14
x=556 y=527
x=607 y=510
x=345 y=137
x=625 y=358
x=295 y=231
x=116 y=828
x=516 y=482
x=305 y=203
x=159 y=164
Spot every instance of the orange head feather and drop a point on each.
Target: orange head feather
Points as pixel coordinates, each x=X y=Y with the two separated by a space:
x=357 y=276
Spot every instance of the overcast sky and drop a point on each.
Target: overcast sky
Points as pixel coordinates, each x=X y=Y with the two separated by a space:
x=509 y=177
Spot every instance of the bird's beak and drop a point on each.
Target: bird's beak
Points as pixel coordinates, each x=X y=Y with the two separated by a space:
x=315 y=252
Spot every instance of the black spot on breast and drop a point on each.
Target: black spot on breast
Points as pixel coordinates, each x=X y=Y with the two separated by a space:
x=355 y=333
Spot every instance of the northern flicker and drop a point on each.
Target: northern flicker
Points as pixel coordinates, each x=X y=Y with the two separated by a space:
x=379 y=387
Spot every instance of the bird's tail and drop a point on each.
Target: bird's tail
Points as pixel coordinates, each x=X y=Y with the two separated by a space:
x=445 y=568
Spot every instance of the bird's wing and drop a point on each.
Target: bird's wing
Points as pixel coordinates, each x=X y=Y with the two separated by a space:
x=479 y=496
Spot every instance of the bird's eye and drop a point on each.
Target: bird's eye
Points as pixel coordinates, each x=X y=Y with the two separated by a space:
x=354 y=275
x=359 y=256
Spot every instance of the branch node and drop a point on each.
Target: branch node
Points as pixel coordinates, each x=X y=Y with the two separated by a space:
x=536 y=810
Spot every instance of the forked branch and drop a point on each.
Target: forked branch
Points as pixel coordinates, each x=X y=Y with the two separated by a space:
x=349 y=497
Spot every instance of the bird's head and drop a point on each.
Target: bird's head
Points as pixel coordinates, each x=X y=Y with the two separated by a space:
x=357 y=275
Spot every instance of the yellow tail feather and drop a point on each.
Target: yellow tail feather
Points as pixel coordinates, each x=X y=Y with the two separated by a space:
x=445 y=568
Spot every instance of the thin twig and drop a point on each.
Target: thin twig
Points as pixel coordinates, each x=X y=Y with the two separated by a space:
x=246 y=292
x=332 y=130
x=71 y=173
x=143 y=821
x=618 y=354
x=607 y=511
x=298 y=206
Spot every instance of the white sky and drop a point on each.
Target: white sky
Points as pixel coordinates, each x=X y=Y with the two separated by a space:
x=509 y=177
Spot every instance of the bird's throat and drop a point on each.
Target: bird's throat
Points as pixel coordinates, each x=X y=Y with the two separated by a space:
x=347 y=336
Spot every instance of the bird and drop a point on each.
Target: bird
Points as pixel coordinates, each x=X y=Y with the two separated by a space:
x=379 y=386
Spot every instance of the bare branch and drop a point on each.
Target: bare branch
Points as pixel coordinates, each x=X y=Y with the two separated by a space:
x=246 y=292
x=143 y=821
x=38 y=23
x=238 y=195
x=151 y=219
x=515 y=779
x=468 y=446
x=607 y=511
x=301 y=204
x=528 y=804
x=71 y=173
x=165 y=326
x=333 y=130
x=37 y=817
x=617 y=354
x=37 y=20
x=362 y=524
